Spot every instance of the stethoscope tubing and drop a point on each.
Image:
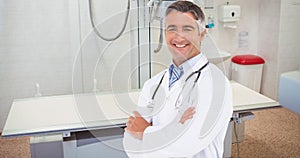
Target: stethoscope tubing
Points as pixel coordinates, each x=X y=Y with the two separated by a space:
x=195 y=81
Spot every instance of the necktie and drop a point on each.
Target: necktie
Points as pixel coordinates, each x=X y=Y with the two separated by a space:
x=175 y=74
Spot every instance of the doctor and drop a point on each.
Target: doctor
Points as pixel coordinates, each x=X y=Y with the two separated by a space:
x=185 y=110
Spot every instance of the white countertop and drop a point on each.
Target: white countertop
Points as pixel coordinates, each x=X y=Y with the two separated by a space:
x=70 y=113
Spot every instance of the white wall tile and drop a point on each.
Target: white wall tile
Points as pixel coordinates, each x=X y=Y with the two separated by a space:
x=289 y=36
x=40 y=43
x=282 y=44
x=102 y=60
x=270 y=79
x=268 y=41
x=37 y=46
x=299 y=63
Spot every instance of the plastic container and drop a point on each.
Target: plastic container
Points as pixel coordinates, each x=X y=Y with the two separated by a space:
x=247 y=70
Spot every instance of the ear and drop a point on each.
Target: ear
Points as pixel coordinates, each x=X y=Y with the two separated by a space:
x=203 y=33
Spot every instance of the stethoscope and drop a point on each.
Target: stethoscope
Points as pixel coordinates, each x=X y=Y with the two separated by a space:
x=178 y=101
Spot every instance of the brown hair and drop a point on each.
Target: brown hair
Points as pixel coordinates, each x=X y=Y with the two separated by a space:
x=187 y=7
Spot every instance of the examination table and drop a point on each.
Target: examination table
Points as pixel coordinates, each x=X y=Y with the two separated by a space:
x=58 y=128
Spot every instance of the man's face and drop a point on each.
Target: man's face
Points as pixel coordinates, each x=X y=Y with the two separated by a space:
x=182 y=36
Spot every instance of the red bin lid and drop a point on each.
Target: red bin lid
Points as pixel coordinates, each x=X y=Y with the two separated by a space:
x=247 y=59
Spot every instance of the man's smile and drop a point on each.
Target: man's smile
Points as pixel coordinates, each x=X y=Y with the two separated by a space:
x=180 y=45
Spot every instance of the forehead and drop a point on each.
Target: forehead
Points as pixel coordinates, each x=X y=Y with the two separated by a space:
x=180 y=18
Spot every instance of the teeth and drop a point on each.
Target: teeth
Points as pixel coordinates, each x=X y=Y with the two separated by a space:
x=180 y=46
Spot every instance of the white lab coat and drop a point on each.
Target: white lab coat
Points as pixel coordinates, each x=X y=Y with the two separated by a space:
x=202 y=136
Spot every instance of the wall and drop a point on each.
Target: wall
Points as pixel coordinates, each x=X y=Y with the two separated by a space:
x=278 y=41
x=272 y=27
x=36 y=46
x=228 y=39
x=272 y=34
x=52 y=43
x=299 y=65
x=268 y=40
x=109 y=62
x=289 y=43
x=225 y=38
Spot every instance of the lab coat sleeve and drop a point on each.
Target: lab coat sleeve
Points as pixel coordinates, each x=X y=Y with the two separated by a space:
x=144 y=101
x=197 y=134
x=145 y=98
x=133 y=146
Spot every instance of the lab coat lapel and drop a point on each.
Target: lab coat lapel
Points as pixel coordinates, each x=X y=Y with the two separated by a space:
x=178 y=85
x=202 y=61
x=174 y=92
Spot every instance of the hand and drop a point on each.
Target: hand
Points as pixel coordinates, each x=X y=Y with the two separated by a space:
x=188 y=114
x=136 y=125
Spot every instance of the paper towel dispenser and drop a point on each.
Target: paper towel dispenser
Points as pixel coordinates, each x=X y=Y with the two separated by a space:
x=229 y=13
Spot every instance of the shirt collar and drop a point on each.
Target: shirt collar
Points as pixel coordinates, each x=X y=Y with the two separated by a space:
x=187 y=65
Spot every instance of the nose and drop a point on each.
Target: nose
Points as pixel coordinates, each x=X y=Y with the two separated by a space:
x=179 y=37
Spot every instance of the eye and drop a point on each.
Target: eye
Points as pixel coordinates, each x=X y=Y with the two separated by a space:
x=188 y=29
x=171 y=29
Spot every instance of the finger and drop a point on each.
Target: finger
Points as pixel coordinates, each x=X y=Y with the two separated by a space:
x=129 y=130
x=131 y=118
x=191 y=109
x=130 y=121
x=188 y=110
x=132 y=125
x=187 y=113
x=193 y=112
x=136 y=114
x=126 y=129
x=128 y=125
x=187 y=117
x=190 y=117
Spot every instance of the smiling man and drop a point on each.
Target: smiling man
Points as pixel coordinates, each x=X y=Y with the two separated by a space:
x=183 y=111
x=183 y=34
